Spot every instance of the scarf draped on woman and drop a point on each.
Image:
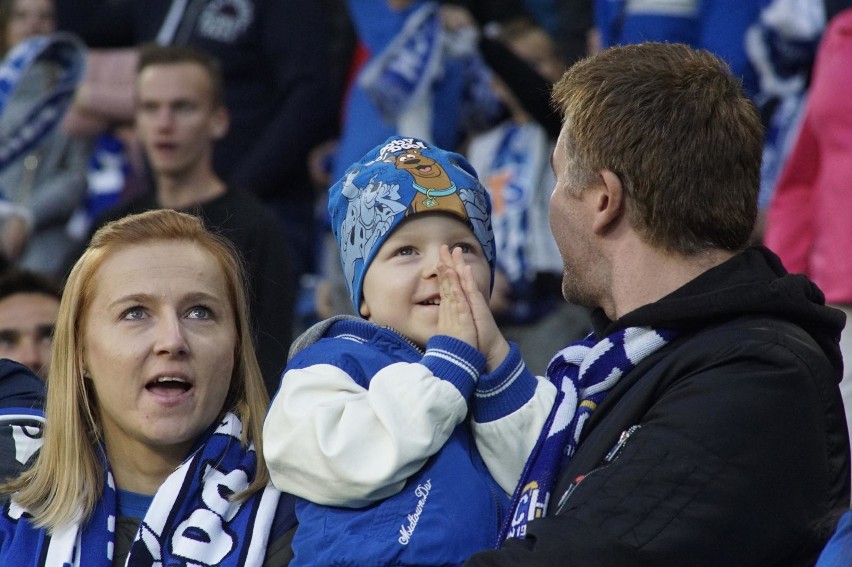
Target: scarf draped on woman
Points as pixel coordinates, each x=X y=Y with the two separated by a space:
x=191 y=520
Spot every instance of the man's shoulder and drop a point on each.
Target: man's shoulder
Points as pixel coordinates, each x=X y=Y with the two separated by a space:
x=20 y=388
x=238 y=208
x=135 y=204
x=750 y=331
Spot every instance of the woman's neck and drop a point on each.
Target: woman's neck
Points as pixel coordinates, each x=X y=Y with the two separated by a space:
x=139 y=468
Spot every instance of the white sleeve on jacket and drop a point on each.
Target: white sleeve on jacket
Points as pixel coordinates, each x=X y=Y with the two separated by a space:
x=333 y=442
x=505 y=444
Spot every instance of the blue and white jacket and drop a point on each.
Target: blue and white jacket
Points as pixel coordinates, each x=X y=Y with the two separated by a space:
x=371 y=434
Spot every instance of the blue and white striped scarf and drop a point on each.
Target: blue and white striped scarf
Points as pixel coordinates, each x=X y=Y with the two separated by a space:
x=191 y=521
x=583 y=373
x=62 y=50
x=400 y=80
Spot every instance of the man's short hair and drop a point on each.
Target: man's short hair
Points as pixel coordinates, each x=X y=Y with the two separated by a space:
x=17 y=281
x=676 y=127
x=155 y=54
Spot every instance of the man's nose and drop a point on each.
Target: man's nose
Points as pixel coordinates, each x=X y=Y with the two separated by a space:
x=164 y=119
x=29 y=354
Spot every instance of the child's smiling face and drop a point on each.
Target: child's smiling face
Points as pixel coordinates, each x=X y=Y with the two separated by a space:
x=401 y=288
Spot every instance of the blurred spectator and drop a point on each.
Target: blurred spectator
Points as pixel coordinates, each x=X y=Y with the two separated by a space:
x=574 y=29
x=43 y=175
x=838 y=551
x=513 y=162
x=716 y=25
x=179 y=117
x=21 y=417
x=277 y=87
x=29 y=304
x=781 y=45
x=809 y=221
x=103 y=111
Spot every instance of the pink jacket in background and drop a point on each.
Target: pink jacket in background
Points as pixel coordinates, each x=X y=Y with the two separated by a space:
x=809 y=222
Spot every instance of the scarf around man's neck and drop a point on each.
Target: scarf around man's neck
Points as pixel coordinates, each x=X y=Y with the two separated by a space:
x=191 y=521
x=583 y=373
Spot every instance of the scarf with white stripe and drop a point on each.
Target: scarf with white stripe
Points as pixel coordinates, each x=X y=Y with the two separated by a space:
x=400 y=80
x=191 y=521
x=67 y=54
x=583 y=373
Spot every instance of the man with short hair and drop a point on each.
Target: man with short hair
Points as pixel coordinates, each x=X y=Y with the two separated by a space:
x=180 y=114
x=701 y=422
x=29 y=304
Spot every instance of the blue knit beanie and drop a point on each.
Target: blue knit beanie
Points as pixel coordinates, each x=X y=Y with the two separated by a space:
x=397 y=179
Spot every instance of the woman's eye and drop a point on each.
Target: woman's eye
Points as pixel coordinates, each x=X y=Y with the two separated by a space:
x=199 y=312
x=134 y=313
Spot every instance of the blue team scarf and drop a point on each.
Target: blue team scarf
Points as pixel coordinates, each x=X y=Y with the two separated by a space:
x=64 y=51
x=106 y=174
x=190 y=522
x=401 y=79
x=408 y=66
x=514 y=178
x=583 y=373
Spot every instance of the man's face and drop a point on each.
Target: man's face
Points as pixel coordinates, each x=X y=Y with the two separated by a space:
x=571 y=214
x=26 y=329
x=176 y=118
x=29 y=18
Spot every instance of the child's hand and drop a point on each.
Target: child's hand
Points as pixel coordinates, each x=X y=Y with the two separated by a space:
x=455 y=318
x=488 y=335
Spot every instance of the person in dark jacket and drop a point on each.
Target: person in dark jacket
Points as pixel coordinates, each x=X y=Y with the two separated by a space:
x=702 y=422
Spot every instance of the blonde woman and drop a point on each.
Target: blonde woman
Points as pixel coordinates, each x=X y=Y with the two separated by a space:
x=154 y=411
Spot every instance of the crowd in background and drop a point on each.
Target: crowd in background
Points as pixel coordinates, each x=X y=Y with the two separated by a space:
x=309 y=87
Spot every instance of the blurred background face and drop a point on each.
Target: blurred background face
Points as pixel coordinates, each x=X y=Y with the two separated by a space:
x=29 y=18
x=26 y=329
x=176 y=119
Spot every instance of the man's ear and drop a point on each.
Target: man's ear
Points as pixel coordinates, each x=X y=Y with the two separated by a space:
x=609 y=206
x=220 y=123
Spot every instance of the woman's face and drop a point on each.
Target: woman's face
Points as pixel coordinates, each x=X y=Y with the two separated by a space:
x=29 y=18
x=159 y=339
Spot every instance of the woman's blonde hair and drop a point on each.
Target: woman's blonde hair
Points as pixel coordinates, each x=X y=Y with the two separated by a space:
x=67 y=478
